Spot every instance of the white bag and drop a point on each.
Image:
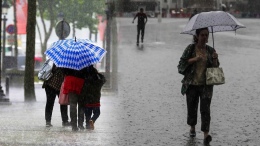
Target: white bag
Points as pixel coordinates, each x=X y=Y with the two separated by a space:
x=46 y=71
x=215 y=76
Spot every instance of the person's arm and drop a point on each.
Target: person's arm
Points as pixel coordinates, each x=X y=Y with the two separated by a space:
x=184 y=63
x=146 y=19
x=134 y=18
x=215 y=59
x=194 y=59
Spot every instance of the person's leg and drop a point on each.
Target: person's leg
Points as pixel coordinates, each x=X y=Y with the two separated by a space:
x=138 y=34
x=142 y=34
x=192 y=99
x=64 y=113
x=50 y=94
x=88 y=113
x=80 y=116
x=73 y=110
x=205 y=99
x=96 y=114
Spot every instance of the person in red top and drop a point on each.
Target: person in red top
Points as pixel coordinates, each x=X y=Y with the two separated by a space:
x=142 y=20
x=73 y=83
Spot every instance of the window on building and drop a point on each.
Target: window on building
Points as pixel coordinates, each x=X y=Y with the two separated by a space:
x=165 y=1
x=174 y=1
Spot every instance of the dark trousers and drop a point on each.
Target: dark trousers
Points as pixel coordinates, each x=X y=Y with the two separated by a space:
x=51 y=95
x=193 y=95
x=88 y=114
x=76 y=114
x=140 y=29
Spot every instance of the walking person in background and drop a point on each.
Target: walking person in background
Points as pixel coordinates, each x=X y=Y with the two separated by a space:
x=142 y=20
x=194 y=13
x=52 y=89
x=196 y=58
x=91 y=94
x=73 y=83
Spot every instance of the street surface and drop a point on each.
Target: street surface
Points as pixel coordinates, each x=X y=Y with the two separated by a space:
x=149 y=108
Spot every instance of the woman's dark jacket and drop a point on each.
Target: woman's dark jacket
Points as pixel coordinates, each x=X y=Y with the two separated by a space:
x=187 y=69
x=91 y=91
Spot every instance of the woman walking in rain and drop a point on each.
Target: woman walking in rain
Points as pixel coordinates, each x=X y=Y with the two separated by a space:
x=196 y=58
x=52 y=89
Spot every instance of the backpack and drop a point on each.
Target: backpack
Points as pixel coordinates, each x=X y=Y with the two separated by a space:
x=46 y=71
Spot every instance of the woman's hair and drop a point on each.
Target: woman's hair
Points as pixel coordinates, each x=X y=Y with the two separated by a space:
x=195 y=40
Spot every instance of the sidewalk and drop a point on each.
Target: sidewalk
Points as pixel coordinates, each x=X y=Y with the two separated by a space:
x=24 y=124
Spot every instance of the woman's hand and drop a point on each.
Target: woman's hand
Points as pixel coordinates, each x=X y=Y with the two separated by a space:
x=195 y=59
x=215 y=59
x=215 y=55
x=199 y=57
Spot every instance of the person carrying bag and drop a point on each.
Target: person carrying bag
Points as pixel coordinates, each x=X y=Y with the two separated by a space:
x=193 y=64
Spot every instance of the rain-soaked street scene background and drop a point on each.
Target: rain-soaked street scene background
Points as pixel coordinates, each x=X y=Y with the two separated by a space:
x=148 y=107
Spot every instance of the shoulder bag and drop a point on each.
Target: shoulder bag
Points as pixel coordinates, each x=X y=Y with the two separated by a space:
x=63 y=98
x=46 y=71
x=215 y=76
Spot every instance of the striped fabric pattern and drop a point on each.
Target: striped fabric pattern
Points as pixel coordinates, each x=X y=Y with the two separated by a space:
x=75 y=54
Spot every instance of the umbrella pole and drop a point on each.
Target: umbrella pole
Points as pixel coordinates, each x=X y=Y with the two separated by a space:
x=212 y=35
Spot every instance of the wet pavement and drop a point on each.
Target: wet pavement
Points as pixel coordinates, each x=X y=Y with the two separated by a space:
x=149 y=108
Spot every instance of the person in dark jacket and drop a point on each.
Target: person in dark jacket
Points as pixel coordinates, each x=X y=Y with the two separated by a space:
x=52 y=89
x=142 y=20
x=91 y=94
x=195 y=12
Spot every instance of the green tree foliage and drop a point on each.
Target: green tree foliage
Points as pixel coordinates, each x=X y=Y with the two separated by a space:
x=46 y=11
x=29 y=92
x=79 y=13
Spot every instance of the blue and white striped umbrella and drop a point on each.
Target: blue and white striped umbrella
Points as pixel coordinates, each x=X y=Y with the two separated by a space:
x=75 y=54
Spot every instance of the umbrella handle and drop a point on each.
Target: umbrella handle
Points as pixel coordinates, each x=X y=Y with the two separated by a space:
x=75 y=39
x=212 y=35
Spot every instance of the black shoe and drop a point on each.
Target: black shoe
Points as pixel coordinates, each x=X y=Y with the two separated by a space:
x=142 y=41
x=207 y=140
x=81 y=127
x=48 y=124
x=64 y=124
x=192 y=134
x=75 y=128
x=137 y=43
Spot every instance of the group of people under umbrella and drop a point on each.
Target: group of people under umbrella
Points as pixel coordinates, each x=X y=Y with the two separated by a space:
x=75 y=75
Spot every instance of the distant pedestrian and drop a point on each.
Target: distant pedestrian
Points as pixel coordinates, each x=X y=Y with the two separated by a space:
x=73 y=83
x=194 y=13
x=142 y=20
x=52 y=89
x=91 y=93
x=196 y=58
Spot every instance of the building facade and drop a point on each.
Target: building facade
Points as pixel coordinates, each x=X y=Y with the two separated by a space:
x=184 y=8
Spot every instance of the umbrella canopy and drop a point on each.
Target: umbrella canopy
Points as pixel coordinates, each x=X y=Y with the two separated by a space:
x=216 y=21
x=75 y=54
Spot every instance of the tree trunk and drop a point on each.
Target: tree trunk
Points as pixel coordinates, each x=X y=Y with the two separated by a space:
x=29 y=92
